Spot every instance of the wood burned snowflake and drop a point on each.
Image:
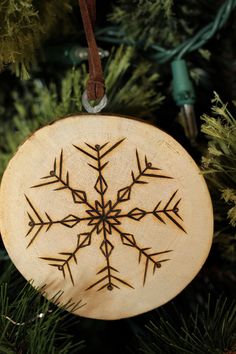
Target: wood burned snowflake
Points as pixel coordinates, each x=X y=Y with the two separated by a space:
x=104 y=217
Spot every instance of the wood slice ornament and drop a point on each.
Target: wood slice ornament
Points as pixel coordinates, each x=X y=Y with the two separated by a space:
x=110 y=211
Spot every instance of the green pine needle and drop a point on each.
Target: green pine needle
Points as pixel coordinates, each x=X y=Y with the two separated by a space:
x=219 y=166
x=23 y=331
x=25 y=25
x=208 y=330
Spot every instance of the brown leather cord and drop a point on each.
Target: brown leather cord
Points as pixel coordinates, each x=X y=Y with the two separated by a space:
x=92 y=11
x=95 y=84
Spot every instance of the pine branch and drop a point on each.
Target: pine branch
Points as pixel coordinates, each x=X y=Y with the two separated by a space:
x=25 y=25
x=163 y=22
x=219 y=167
x=209 y=329
x=131 y=89
x=30 y=324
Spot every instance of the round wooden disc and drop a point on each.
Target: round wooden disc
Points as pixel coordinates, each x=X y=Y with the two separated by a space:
x=110 y=212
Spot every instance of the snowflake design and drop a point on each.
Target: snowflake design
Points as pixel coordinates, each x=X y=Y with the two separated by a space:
x=104 y=217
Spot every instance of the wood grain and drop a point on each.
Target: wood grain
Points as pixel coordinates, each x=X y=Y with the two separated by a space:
x=110 y=211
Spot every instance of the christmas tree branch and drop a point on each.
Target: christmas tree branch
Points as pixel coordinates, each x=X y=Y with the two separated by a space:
x=31 y=324
x=219 y=167
x=208 y=329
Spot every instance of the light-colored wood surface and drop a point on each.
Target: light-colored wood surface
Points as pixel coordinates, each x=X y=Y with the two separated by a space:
x=109 y=210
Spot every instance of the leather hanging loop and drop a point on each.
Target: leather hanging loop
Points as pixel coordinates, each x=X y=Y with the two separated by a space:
x=95 y=84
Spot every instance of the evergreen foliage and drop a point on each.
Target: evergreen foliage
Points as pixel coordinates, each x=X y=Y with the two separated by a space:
x=136 y=85
x=30 y=324
x=138 y=19
x=25 y=25
x=197 y=333
x=220 y=169
x=38 y=106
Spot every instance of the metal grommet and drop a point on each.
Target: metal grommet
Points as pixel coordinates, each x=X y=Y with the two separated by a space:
x=93 y=109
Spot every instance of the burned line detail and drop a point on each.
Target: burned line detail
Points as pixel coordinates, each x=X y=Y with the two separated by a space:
x=104 y=217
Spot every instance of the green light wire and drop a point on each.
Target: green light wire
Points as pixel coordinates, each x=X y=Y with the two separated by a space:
x=162 y=55
x=200 y=38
